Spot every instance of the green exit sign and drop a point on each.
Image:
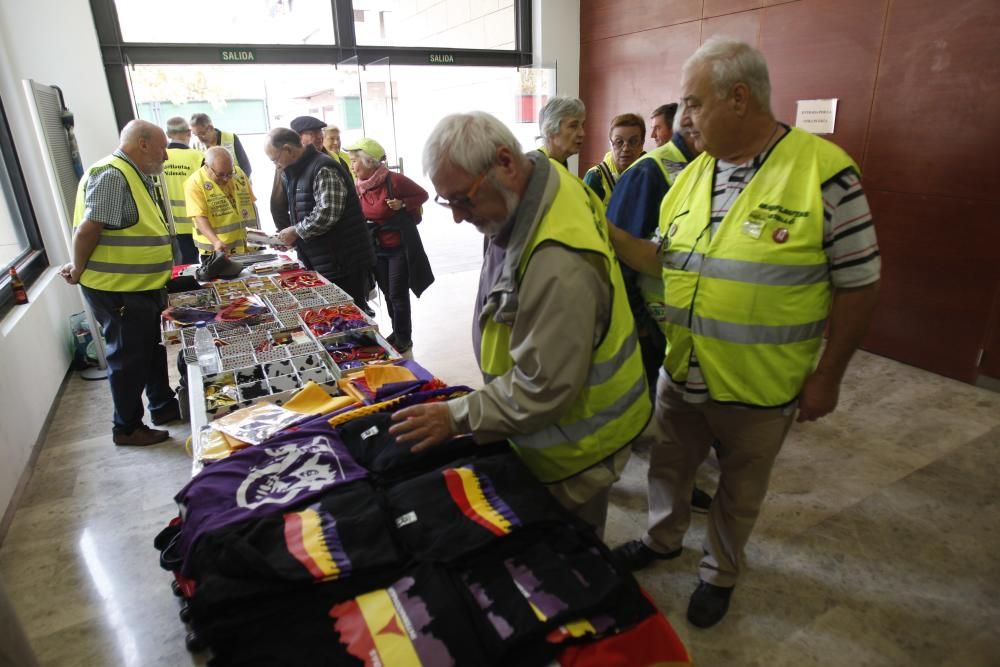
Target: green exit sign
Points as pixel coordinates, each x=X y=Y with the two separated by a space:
x=441 y=59
x=238 y=55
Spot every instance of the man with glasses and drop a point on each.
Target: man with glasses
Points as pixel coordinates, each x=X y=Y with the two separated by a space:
x=554 y=339
x=626 y=136
x=220 y=202
x=208 y=136
x=325 y=222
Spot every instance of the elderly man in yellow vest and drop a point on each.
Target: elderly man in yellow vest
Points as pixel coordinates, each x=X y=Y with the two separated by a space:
x=122 y=260
x=556 y=340
x=220 y=201
x=767 y=243
x=182 y=161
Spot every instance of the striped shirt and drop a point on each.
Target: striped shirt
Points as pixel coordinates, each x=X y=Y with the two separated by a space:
x=848 y=240
x=108 y=199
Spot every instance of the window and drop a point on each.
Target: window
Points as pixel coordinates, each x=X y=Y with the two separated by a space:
x=441 y=24
x=227 y=22
x=20 y=243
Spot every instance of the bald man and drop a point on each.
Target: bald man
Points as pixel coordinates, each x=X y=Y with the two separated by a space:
x=122 y=261
x=220 y=202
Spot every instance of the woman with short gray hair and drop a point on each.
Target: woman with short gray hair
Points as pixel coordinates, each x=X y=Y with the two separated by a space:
x=561 y=122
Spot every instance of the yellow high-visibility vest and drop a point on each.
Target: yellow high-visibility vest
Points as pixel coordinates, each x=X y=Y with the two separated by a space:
x=133 y=259
x=752 y=298
x=180 y=164
x=228 y=222
x=613 y=407
x=671 y=161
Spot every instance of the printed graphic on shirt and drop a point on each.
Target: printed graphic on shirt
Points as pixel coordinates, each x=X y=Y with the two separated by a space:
x=544 y=604
x=293 y=470
x=477 y=498
x=386 y=627
x=311 y=536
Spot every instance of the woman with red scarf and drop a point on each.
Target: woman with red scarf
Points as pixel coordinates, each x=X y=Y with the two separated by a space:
x=392 y=204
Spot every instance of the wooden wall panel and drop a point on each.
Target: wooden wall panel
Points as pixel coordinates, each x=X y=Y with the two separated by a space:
x=934 y=128
x=600 y=19
x=635 y=75
x=938 y=281
x=722 y=7
x=821 y=49
x=744 y=25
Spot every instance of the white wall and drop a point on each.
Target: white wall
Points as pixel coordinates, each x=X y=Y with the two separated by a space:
x=52 y=42
x=555 y=37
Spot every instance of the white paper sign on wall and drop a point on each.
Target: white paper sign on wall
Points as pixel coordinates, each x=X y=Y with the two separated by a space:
x=816 y=116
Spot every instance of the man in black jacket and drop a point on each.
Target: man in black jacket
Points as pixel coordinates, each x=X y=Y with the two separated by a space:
x=325 y=223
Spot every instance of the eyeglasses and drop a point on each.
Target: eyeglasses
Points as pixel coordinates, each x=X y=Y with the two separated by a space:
x=619 y=144
x=463 y=201
x=274 y=160
x=222 y=175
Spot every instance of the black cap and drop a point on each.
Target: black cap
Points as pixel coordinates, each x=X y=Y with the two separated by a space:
x=305 y=123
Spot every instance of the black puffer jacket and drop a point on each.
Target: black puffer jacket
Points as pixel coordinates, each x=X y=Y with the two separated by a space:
x=346 y=248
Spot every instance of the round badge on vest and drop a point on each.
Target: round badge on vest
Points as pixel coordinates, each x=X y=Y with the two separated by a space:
x=780 y=235
x=208 y=185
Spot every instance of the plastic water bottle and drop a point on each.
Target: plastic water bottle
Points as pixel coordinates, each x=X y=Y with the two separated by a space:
x=204 y=346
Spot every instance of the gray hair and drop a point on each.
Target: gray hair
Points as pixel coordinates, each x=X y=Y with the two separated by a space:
x=556 y=110
x=282 y=136
x=217 y=154
x=370 y=161
x=201 y=119
x=177 y=126
x=468 y=141
x=732 y=61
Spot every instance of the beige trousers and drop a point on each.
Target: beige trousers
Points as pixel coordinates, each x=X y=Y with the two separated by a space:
x=586 y=494
x=749 y=441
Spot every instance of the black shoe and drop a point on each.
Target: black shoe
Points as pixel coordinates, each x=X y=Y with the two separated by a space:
x=700 y=501
x=141 y=437
x=709 y=603
x=166 y=415
x=403 y=346
x=635 y=555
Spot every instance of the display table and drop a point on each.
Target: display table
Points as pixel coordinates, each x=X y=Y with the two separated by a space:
x=327 y=542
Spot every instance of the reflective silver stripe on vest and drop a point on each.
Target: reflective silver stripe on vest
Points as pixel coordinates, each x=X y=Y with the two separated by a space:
x=675 y=315
x=757 y=273
x=177 y=202
x=550 y=436
x=182 y=218
x=605 y=370
x=133 y=240
x=756 y=334
x=231 y=227
x=687 y=261
x=111 y=267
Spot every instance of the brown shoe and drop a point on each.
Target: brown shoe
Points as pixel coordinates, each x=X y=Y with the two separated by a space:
x=141 y=437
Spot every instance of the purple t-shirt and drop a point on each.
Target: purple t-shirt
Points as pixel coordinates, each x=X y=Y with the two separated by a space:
x=293 y=467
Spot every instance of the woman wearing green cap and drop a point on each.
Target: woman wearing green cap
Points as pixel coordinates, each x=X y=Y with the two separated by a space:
x=392 y=204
